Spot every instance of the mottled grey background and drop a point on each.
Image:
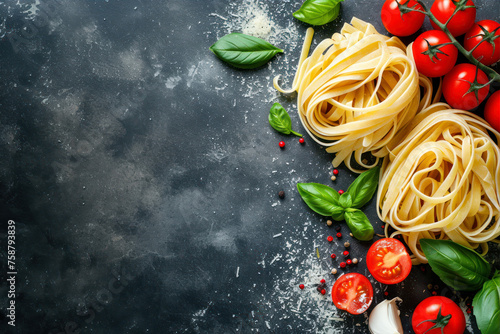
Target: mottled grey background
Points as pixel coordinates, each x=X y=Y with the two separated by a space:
x=142 y=174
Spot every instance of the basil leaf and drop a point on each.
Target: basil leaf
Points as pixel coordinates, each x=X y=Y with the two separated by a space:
x=338 y=213
x=318 y=12
x=345 y=200
x=486 y=304
x=456 y=265
x=360 y=226
x=244 y=51
x=320 y=198
x=280 y=120
x=364 y=187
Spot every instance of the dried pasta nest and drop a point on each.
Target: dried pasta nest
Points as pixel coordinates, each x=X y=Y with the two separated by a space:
x=442 y=179
x=356 y=91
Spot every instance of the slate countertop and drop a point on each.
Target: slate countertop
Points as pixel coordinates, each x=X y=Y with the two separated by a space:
x=141 y=174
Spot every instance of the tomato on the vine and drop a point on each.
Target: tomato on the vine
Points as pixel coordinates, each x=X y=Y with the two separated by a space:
x=440 y=312
x=398 y=18
x=463 y=19
x=461 y=87
x=486 y=33
x=388 y=261
x=352 y=292
x=434 y=54
x=492 y=110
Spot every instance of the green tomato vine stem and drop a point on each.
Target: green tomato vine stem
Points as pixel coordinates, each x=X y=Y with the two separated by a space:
x=492 y=74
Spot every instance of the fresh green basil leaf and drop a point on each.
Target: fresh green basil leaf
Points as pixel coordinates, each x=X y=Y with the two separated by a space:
x=486 y=304
x=318 y=12
x=360 y=226
x=345 y=200
x=364 y=187
x=280 y=120
x=320 y=198
x=457 y=266
x=338 y=213
x=244 y=51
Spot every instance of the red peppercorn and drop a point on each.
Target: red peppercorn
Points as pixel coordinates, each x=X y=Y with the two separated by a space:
x=282 y=144
x=386 y=293
x=341 y=191
x=322 y=280
x=348 y=261
x=342 y=264
x=346 y=253
x=335 y=172
x=330 y=238
x=383 y=226
x=323 y=291
x=469 y=310
x=301 y=140
x=333 y=256
x=301 y=286
x=434 y=293
x=339 y=235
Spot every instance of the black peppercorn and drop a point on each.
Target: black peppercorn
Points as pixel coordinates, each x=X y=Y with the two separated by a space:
x=321 y=287
x=281 y=194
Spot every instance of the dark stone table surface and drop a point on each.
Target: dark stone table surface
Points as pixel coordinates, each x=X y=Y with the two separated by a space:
x=141 y=174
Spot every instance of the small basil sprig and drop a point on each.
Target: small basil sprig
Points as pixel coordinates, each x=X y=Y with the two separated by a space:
x=318 y=12
x=280 y=120
x=486 y=304
x=457 y=266
x=244 y=51
x=327 y=202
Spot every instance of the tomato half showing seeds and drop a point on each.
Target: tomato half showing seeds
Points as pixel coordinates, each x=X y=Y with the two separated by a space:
x=492 y=110
x=463 y=19
x=388 y=261
x=353 y=293
x=434 y=54
x=458 y=87
x=399 y=20
x=440 y=312
x=486 y=33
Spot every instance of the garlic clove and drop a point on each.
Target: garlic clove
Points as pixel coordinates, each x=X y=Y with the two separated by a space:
x=384 y=318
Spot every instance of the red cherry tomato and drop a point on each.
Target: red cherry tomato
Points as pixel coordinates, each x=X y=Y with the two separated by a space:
x=388 y=261
x=457 y=83
x=436 y=307
x=486 y=33
x=433 y=60
x=461 y=22
x=492 y=111
x=352 y=292
x=401 y=25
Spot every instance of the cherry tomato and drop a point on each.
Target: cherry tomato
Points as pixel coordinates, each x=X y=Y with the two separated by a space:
x=388 y=261
x=438 y=308
x=492 y=111
x=432 y=59
x=486 y=32
x=401 y=25
x=457 y=83
x=461 y=22
x=352 y=292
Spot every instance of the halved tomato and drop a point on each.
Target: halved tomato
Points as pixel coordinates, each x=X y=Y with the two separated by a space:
x=352 y=292
x=388 y=261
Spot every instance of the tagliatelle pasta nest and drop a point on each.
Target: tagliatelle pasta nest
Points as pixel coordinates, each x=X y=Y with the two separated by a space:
x=442 y=181
x=356 y=90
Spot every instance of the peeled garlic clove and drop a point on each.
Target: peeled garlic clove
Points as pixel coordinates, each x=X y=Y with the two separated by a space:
x=384 y=318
